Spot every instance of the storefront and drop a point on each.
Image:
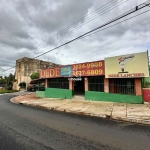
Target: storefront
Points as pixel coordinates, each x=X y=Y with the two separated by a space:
x=124 y=75
x=76 y=79
x=117 y=79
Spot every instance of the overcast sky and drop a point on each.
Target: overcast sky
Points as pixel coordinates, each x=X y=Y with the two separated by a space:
x=31 y=27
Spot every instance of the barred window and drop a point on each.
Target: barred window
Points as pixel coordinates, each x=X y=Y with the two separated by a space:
x=62 y=83
x=122 y=86
x=96 y=84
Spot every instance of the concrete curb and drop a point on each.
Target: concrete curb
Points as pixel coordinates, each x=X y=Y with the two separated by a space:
x=13 y=100
x=126 y=119
x=134 y=120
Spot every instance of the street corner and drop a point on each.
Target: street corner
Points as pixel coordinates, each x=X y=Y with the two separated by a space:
x=22 y=99
x=17 y=100
x=13 y=100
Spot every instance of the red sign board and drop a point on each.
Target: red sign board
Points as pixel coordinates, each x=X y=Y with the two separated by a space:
x=50 y=72
x=89 y=69
x=84 y=69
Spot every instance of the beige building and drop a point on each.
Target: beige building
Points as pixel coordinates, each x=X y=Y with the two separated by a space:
x=25 y=67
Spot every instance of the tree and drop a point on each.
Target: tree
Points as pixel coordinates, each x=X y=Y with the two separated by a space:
x=2 y=80
x=8 y=81
x=35 y=75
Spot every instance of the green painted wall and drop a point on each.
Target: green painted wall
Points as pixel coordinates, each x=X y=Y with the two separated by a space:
x=58 y=93
x=147 y=79
x=101 y=96
x=40 y=94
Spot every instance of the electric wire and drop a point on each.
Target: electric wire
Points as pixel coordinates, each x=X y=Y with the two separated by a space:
x=82 y=36
x=119 y=17
x=71 y=28
x=103 y=29
x=115 y=24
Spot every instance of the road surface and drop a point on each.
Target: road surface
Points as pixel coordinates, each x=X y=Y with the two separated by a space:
x=27 y=128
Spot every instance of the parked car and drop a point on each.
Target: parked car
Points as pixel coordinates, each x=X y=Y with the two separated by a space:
x=32 y=88
x=35 y=87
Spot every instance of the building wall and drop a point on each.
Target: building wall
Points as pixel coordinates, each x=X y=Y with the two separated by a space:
x=109 y=97
x=112 y=68
x=40 y=94
x=97 y=96
x=86 y=85
x=138 y=86
x=58 y=93
x=106 y=85
x=112 y=97
x=25 y=67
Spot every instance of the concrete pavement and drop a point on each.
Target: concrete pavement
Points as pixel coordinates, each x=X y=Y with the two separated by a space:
x=139 y=113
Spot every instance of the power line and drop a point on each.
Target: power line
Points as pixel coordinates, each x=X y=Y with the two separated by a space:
x=89 y=15
x=116 y=23
x=125 y=14
x=113 y=20
x=73 y=27
x=96 y=15
x=54 y=37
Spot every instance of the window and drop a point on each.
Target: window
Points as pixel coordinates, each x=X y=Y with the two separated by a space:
x=40 y=86
x=62 y=83
x=123 y=86
x=96 y=84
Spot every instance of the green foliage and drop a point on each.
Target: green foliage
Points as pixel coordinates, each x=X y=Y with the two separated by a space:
x=7 y=91
x=35 y=75
x=7 y=81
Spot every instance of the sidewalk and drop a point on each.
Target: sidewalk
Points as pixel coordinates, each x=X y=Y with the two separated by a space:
x=139 y=113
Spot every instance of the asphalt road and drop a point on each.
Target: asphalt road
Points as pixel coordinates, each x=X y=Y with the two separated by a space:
x=27 y=128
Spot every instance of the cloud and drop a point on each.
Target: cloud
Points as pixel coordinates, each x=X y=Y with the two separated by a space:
x=29 y=28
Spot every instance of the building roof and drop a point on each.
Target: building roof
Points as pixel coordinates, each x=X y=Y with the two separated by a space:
x=35 y=81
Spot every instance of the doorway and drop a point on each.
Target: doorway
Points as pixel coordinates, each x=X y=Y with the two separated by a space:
x=79 y=87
